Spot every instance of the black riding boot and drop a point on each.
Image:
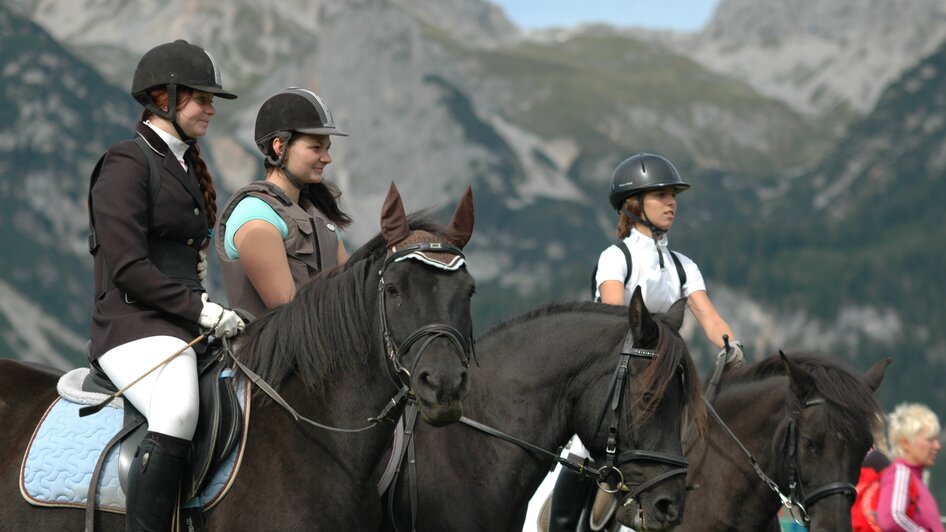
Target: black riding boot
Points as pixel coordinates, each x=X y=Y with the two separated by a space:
x=154 y=481
x=569 y=497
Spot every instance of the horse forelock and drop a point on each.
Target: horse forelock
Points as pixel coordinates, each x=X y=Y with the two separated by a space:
x=852 y=409
x=673 y=359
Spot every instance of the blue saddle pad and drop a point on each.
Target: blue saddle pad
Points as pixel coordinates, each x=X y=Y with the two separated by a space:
x=61 y=456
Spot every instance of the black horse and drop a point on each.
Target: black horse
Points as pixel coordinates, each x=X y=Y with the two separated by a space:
x=337 y=353
x=543 y=377
x=808 y=422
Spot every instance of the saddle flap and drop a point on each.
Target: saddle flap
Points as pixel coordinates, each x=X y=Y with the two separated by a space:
x=219 y=423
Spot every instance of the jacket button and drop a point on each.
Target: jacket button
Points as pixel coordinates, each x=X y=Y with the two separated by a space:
x=196 y=212
x=190 y=241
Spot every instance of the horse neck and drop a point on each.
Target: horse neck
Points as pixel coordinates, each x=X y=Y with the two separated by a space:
x=345 y=403
x=554 y=370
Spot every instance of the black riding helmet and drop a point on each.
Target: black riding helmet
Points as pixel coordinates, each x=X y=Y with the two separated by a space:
x=638 y=174
x=288 y=111
x=642 y=172
x=171 y=65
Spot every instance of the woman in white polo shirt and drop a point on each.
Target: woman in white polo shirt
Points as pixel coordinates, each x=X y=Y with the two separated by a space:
x=644 y=190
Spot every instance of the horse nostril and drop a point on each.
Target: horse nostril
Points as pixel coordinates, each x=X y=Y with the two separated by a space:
x=666 y=508
x=428 y=379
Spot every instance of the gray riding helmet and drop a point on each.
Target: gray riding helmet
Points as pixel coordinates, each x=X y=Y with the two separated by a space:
x=640 y=173
x=293 y=110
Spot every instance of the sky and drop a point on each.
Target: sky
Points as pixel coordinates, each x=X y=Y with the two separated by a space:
x=680 y=15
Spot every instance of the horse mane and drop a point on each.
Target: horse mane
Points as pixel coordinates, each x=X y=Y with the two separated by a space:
x=327 y=325
x=557 y=307
x=659 y=374
x=855 y=412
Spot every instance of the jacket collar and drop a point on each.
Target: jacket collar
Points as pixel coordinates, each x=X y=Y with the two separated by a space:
x=187 y=179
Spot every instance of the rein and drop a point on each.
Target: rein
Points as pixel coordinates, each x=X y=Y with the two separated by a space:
x=796 y=498
x=613 y=460
x=395 y=401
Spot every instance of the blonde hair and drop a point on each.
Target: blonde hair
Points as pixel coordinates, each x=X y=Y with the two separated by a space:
x=906 y=422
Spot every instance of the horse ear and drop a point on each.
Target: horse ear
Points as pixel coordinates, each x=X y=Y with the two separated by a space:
x=461 y=226
x=675 y=314
x=393 y=220
x=875 y=375
x=639 y=316
x=802 y=383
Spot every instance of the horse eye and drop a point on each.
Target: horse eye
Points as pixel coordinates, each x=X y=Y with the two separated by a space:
x=648 y=397
x=390 y=290
x=810 y=446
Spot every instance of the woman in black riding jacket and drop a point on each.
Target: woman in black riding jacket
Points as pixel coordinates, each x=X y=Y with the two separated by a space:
x=152 y=203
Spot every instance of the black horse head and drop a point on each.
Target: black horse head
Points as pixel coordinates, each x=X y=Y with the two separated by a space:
x=397 y=311
x=661 y=386
x=807 y=420
x=825 y=437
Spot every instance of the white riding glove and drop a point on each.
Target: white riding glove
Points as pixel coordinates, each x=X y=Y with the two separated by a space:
x=202 y=266
x=224 y=323
x=734 y=357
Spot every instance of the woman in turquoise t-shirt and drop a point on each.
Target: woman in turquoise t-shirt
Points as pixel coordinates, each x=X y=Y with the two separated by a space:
x=277 y=233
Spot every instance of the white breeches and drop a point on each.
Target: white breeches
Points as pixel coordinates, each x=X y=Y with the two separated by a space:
x=168 y=396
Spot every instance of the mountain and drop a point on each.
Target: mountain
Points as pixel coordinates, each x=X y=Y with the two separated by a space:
x=439 y=95
x=821 y=58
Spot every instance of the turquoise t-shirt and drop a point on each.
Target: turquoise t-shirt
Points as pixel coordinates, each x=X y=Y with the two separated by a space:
x=250 y=208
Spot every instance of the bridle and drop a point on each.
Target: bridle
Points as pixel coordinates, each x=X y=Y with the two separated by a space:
x=796 y=498
x=796 y=491
x=405 y=393
x=614 y=461
x=463 y=346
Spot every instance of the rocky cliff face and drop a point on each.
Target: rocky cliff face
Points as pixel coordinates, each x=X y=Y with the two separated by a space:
x=819 y=57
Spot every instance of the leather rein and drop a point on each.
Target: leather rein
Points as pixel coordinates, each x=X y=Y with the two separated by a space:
x=796 y=498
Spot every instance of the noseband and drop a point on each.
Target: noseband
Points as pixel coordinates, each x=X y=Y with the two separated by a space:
x=425 y=334
x=612 y=462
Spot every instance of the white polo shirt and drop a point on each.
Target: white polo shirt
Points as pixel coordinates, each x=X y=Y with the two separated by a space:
x=660 y=287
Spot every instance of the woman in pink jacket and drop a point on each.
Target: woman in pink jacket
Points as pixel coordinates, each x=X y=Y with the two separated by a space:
x=904 y=502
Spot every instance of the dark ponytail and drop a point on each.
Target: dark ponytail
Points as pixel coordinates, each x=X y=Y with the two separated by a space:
x=325 y=196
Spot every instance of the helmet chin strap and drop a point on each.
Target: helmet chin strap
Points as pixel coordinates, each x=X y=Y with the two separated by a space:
x=292 y=179
x=655 y=232
x=280 y=162
x=185 y=138
x=171 y=114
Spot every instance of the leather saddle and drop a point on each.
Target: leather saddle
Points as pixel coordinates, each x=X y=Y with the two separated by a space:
x=219 y=422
